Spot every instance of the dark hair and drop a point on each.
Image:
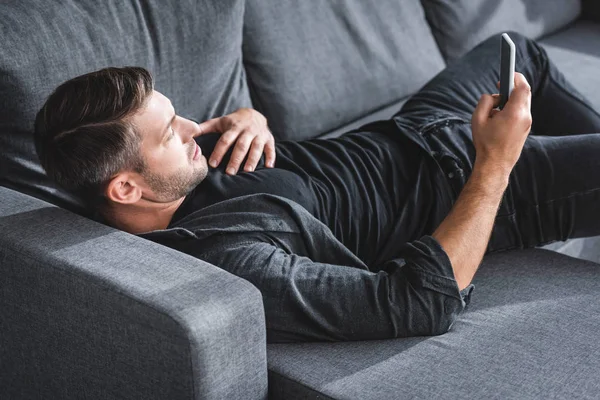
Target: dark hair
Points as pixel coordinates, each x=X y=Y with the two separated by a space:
x=83 y=136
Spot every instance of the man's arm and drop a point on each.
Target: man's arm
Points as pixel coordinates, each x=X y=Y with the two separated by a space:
x=498 y=137
x=466 y=231
x=307 y=300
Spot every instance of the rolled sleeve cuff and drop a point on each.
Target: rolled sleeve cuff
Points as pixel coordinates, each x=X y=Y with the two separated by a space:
x=430 y=261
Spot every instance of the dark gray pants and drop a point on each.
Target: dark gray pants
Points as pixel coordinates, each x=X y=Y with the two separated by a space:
x=554 y=189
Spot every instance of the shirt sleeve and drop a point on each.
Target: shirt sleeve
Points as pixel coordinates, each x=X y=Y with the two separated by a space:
x=304 y=300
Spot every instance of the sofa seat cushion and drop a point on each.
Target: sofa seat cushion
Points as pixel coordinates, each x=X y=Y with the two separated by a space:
x=576 y=52
x=192 y=47
x=460 y=25
x=530 y=331
x=315 y=66
x=587 y=248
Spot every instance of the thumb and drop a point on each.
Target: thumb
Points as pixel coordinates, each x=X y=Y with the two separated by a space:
x=483 y=109
x=212 y=125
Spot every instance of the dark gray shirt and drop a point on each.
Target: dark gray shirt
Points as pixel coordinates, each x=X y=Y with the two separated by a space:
x=336 y=237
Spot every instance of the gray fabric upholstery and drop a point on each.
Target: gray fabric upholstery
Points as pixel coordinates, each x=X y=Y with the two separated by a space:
x=193 y=47
x=528 y=333
x=384 y=113
x=460 y=25
x=576 y=51
x=316 y=66
x=91 y=312
x=584 y=248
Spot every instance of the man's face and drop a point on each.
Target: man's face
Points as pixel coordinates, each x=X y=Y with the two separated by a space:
x=174 y=162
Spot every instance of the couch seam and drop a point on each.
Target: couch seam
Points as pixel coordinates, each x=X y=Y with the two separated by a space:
x=313 y=391
x=355 y=120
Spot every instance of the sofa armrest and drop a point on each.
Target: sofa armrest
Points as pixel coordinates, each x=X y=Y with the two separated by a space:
x=590 y=10
x=87 y=311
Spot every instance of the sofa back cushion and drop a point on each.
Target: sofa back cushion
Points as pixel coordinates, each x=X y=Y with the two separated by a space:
x=313 y=66
x=459 y=25
x=192 y=47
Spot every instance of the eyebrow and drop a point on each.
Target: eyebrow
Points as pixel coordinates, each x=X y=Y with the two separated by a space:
x=166 y=130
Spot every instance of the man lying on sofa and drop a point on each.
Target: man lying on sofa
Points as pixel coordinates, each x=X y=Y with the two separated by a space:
x=375 y=234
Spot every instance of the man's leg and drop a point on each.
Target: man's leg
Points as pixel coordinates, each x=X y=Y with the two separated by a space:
x=553 y=193
x=557 y=107
x=554 y=189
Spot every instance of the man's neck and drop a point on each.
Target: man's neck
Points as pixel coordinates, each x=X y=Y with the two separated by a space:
x=139 y=218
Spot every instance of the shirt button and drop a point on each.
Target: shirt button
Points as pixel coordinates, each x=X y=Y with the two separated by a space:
x=451 y=175
x=434 y=153
x=448 y=306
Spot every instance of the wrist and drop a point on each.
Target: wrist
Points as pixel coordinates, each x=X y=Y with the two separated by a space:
x=492 y=175
x=493 y=166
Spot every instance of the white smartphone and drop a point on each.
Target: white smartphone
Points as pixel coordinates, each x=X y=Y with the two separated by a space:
x=507 y=69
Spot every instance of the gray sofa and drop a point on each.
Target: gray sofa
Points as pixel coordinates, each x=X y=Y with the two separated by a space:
x=87 y=311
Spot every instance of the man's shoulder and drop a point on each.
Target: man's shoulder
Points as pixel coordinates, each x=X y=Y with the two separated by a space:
x=241 y=222
x=249 y=213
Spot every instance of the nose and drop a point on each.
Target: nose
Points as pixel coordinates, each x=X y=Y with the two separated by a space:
x=189 y=129
x=197 y=129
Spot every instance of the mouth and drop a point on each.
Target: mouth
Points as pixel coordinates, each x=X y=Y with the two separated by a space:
x=196 y=153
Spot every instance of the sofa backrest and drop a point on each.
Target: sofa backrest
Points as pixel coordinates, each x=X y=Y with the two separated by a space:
x=310 y=67
x=193 y=48
x=459 y=25
x=313 y=66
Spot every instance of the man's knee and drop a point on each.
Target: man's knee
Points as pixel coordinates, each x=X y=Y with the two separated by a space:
x=518 y=38
x=524 y=44
x=527 y=47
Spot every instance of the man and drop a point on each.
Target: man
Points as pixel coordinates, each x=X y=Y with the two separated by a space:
x=375 y=234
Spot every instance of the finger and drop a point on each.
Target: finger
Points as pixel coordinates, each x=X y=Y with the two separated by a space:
x=239 y=152
x=226 y=140
x=212 y=125
x=496 y=98
x=483 y=109
x=270 y=153
x=254 y=155
x=521 y=94
x=498 y=85
x=494 y=112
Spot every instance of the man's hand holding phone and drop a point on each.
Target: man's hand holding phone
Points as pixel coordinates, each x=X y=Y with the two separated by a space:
x=499 y=135
x=501 y=122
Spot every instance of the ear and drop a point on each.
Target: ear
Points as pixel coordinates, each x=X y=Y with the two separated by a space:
x=123 y=189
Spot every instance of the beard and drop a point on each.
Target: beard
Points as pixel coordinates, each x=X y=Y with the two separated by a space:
x=167 y=188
